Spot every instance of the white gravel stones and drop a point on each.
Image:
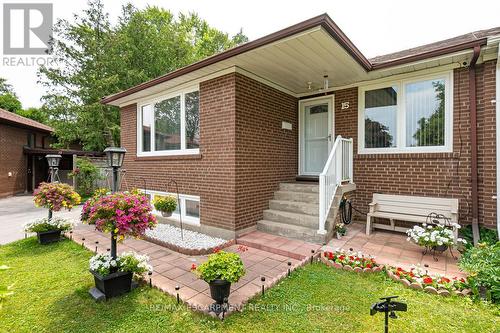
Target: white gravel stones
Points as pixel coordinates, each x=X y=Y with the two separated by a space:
x=192 y=239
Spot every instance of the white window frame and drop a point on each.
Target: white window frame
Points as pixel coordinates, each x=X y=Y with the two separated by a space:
x=153 y=152
x=182 y=197
x=401 y=116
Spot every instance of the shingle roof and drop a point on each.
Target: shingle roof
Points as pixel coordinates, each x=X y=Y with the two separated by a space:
x=15 y=119
x=454 y=41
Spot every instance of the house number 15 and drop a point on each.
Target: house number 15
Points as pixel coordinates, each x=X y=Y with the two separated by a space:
x=345 y=105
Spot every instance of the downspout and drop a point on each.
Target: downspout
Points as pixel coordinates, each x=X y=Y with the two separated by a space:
x=497 y=116
x=473 y=143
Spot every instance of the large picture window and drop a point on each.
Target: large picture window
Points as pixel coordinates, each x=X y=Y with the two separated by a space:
x=170 y=125
x=406 y=116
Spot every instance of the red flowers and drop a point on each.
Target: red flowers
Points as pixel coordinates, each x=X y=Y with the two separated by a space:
x=428 y=280
x=216 y=250
x=242 y=248
x=445 y=280
x=193 y=267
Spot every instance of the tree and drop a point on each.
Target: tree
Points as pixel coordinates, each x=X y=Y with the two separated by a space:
x=6 y=88
x=10 y=102
x=96 y=59
x=37 y=114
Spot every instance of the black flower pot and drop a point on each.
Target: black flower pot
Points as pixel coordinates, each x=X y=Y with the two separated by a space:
x=219 y=289
x=114 y=284
x=440 y=248
x=48 y=237
x=166 y=214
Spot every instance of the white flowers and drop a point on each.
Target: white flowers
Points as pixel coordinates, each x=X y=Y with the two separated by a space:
x=433 y=235
x=126 y=262
x=43 y=225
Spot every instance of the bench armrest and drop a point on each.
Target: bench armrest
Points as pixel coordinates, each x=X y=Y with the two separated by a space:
x=372 y=206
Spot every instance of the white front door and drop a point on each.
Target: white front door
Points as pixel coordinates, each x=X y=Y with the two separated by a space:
x=316 y=133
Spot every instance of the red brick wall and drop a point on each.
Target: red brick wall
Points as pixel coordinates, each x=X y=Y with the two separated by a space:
x=438 y=174
x=210 y=175
x=266 y=154
x=12 y=159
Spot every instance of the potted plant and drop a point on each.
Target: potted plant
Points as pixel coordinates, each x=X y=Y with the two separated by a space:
x=121 y=214
x=48 y=230
x=219 y=271
x=165 y=204
x=113 y=277
x=435 y=237
x=340 y=230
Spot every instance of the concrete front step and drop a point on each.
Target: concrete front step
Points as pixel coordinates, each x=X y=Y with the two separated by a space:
x=302 y=220
x=299 y=187
x=295 y=207
x=291 y=231
x=305 y=197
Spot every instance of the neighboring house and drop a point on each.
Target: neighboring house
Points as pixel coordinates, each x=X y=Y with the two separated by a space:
x=237 y=129
x=17 y=171
x=24 y=143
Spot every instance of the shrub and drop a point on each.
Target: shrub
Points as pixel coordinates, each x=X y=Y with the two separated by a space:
x=126 y=262
x=87 y=174
x=221 y=265
x=123 y=213
x=482 y=263
x=45 y=224
x=165 y=203
x=56 y=196
x=488 y=236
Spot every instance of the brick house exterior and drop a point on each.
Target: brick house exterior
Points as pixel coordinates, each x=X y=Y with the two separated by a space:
x=15 y=133
x=249 y=128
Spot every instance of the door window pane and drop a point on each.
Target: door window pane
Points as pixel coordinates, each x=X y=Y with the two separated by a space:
x=168 y=124
x=316 y=131
x=380 y=117
x=192 y=208
x=192 y=106
x=147 y=119
x=425 y=116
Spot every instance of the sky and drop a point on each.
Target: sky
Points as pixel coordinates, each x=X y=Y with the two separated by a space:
x=375 y=27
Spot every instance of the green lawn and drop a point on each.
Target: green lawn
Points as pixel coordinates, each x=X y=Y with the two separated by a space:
x=51 y=284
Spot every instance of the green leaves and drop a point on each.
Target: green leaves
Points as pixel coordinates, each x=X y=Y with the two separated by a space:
x=222 y=265
x=96 y=59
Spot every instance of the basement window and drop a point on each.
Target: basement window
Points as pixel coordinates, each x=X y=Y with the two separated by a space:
x=411 y=115
x=189 y=208
x=169 y=125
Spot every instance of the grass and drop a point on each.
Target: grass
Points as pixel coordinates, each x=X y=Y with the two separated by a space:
x=51 y=285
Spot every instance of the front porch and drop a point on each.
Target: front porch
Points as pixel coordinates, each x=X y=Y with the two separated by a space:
x=392 y=248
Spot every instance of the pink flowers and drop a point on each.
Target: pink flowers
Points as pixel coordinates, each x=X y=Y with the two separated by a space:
x=125 y=214
x=55 y=196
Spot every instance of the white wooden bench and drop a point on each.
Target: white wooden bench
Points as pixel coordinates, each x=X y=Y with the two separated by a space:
x=409 y=209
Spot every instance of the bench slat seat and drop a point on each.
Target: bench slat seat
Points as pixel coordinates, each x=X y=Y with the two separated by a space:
x=410 y=209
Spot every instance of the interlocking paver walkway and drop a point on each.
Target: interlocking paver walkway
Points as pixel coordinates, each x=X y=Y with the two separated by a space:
x=173 y=269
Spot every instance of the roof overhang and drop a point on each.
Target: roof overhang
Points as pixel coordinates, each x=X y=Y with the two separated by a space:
x=295 y=60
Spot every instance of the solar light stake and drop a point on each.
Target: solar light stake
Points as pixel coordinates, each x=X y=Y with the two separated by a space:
x=263 y=279
x=289 y=267
x=150 y=282
x=96 y=243
x=177 y=291
x=312 y=256
x=71 y=234
x=225 y=304
x=388 y=306
x=83 y=242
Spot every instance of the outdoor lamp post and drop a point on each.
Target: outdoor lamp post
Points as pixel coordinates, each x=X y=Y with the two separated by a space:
x=115 y=157
x=53 y=161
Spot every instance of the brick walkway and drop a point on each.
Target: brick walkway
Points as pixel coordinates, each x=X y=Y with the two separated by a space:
x=392 y=248
x=173 y=269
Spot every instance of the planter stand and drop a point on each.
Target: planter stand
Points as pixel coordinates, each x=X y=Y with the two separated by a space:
x=438 y=250
x=48 y=237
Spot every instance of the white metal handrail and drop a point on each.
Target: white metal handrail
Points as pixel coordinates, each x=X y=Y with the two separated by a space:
x=338 y=169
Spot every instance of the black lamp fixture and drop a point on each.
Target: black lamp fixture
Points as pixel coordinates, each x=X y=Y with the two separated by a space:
x=53 y=160
x=115 y=156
